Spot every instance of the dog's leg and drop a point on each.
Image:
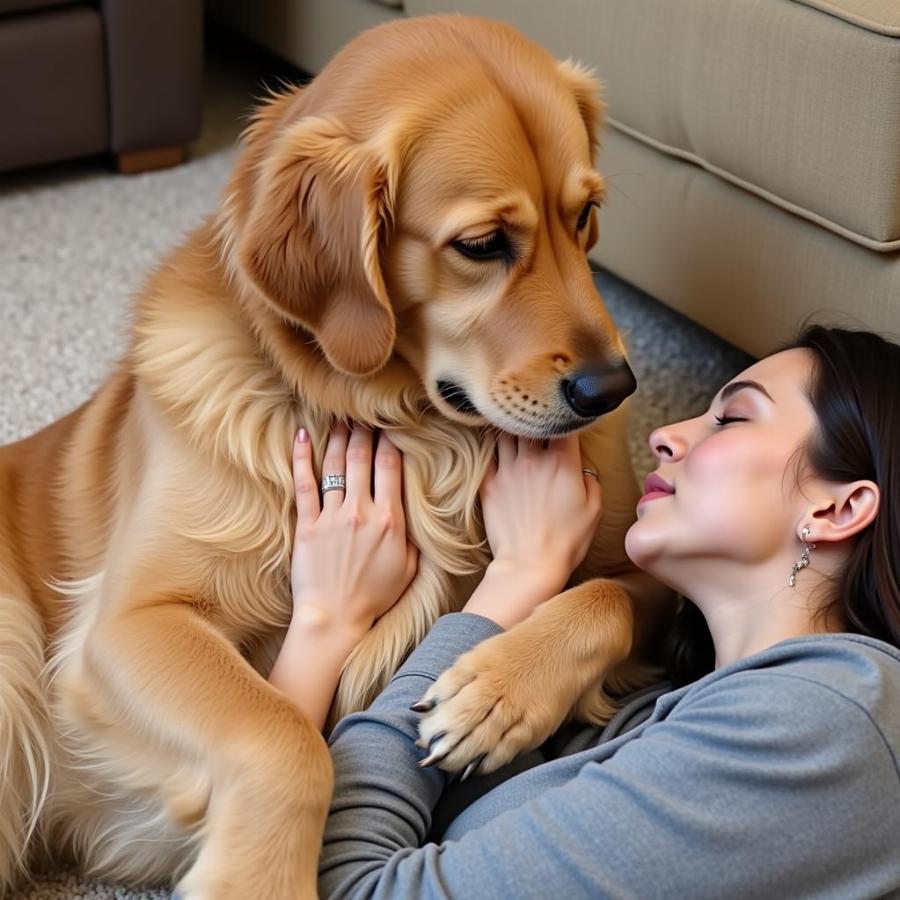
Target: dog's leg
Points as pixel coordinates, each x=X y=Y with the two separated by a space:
x=24 y=744
x=514 y=690
x=164 y=674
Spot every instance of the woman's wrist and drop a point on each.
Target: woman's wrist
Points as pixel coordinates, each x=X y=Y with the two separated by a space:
x=312 y=657
x=317 y=619
x=511 y=590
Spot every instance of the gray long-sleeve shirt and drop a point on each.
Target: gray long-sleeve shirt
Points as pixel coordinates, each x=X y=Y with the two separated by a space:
x=775 y=776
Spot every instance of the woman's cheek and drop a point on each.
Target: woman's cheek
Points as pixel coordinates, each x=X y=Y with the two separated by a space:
x=704 y=495
x=704 y=514
x=722 y=501
x=713 y=459
x=735 y=484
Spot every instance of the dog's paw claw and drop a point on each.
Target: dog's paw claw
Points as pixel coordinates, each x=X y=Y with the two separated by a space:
x=472 y=767
x=496 y=701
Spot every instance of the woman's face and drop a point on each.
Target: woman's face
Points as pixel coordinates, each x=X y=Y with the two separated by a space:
x=730 y=490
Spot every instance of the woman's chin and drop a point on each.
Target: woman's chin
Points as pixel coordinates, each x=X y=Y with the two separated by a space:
x=642 y=546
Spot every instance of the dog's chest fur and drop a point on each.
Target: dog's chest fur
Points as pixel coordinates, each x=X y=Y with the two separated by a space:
x=225 y=497
x=247 y=550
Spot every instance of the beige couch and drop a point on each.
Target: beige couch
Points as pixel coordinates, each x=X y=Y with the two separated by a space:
x=752 y=146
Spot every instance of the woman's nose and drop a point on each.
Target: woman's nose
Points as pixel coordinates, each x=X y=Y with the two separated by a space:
x=666 y=443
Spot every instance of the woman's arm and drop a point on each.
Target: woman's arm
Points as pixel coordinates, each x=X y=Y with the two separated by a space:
x=744 y=789
x=351 y=561
x=310 y=661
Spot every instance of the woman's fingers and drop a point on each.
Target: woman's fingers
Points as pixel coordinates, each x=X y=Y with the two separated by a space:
x=412 y=561
x=490 y=475
x=359 y=464
x=567 y=448
x=506 y=450
x=335 y=463
x=305 y=485
x=567 y=451
x=388 y=475
x=592 y=491
x=529 y=448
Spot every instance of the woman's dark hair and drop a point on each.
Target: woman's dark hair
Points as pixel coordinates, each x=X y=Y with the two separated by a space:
x=855 y=392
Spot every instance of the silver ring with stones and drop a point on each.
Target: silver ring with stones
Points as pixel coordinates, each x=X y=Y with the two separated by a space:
x=592 y=473
x=333 y=483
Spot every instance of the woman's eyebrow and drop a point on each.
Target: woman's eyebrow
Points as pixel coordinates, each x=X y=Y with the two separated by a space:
x=736 y=386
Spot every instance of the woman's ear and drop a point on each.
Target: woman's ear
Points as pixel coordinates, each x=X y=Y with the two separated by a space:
x=312 y=242
x=848 y=510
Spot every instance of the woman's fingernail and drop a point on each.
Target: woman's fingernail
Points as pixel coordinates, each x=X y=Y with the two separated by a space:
x=303 y=436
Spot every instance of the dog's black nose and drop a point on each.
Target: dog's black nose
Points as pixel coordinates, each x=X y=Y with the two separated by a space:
x=596 y=390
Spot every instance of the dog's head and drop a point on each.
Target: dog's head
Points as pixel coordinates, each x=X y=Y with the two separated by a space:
x=432 y=196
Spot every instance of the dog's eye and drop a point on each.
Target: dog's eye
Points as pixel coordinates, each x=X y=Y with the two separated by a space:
x=586 y=213
x=490 y=246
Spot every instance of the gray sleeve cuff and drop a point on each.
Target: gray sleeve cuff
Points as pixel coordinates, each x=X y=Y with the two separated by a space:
x=450 y=637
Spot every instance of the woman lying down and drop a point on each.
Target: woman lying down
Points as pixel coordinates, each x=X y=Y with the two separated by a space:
x=773 y=774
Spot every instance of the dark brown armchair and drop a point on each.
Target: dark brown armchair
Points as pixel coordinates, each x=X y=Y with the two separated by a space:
x=82 y=78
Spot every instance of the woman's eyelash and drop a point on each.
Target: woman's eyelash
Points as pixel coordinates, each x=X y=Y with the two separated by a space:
x=726 y=420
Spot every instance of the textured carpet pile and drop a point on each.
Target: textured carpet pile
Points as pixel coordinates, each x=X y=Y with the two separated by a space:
x=79 y=241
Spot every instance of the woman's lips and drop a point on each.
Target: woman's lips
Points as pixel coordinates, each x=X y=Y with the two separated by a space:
x=654 y=495
x=656 y=487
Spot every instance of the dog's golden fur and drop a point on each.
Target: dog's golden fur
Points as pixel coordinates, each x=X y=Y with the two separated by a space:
x=145 y=539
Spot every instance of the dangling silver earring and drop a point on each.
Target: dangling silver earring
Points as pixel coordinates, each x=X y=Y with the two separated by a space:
x=803 y=562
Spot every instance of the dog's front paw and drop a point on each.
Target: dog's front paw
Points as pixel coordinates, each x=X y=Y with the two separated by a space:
x=497 y=700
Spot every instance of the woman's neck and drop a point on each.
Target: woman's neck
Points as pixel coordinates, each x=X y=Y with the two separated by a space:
x=753 y=617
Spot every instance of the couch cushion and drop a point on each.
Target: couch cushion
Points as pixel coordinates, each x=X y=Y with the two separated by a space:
x=795 y=103
x=882 y=16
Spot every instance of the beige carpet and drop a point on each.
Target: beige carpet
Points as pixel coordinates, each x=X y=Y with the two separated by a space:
x=79 y=240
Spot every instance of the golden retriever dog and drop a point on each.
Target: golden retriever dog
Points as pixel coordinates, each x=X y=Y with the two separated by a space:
x=402 y=243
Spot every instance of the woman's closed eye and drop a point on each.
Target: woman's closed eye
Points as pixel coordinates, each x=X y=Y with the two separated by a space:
x=722 y=421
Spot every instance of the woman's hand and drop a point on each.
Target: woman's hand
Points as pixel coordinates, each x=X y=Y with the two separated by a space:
x=351 y=559
x=351 y=562
x=541 y=511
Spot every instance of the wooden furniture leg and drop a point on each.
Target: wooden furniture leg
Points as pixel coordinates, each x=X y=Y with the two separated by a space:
x=134 y=161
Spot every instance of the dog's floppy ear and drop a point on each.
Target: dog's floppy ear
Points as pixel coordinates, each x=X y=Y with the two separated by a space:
x=587 y=91
x=313 y=239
